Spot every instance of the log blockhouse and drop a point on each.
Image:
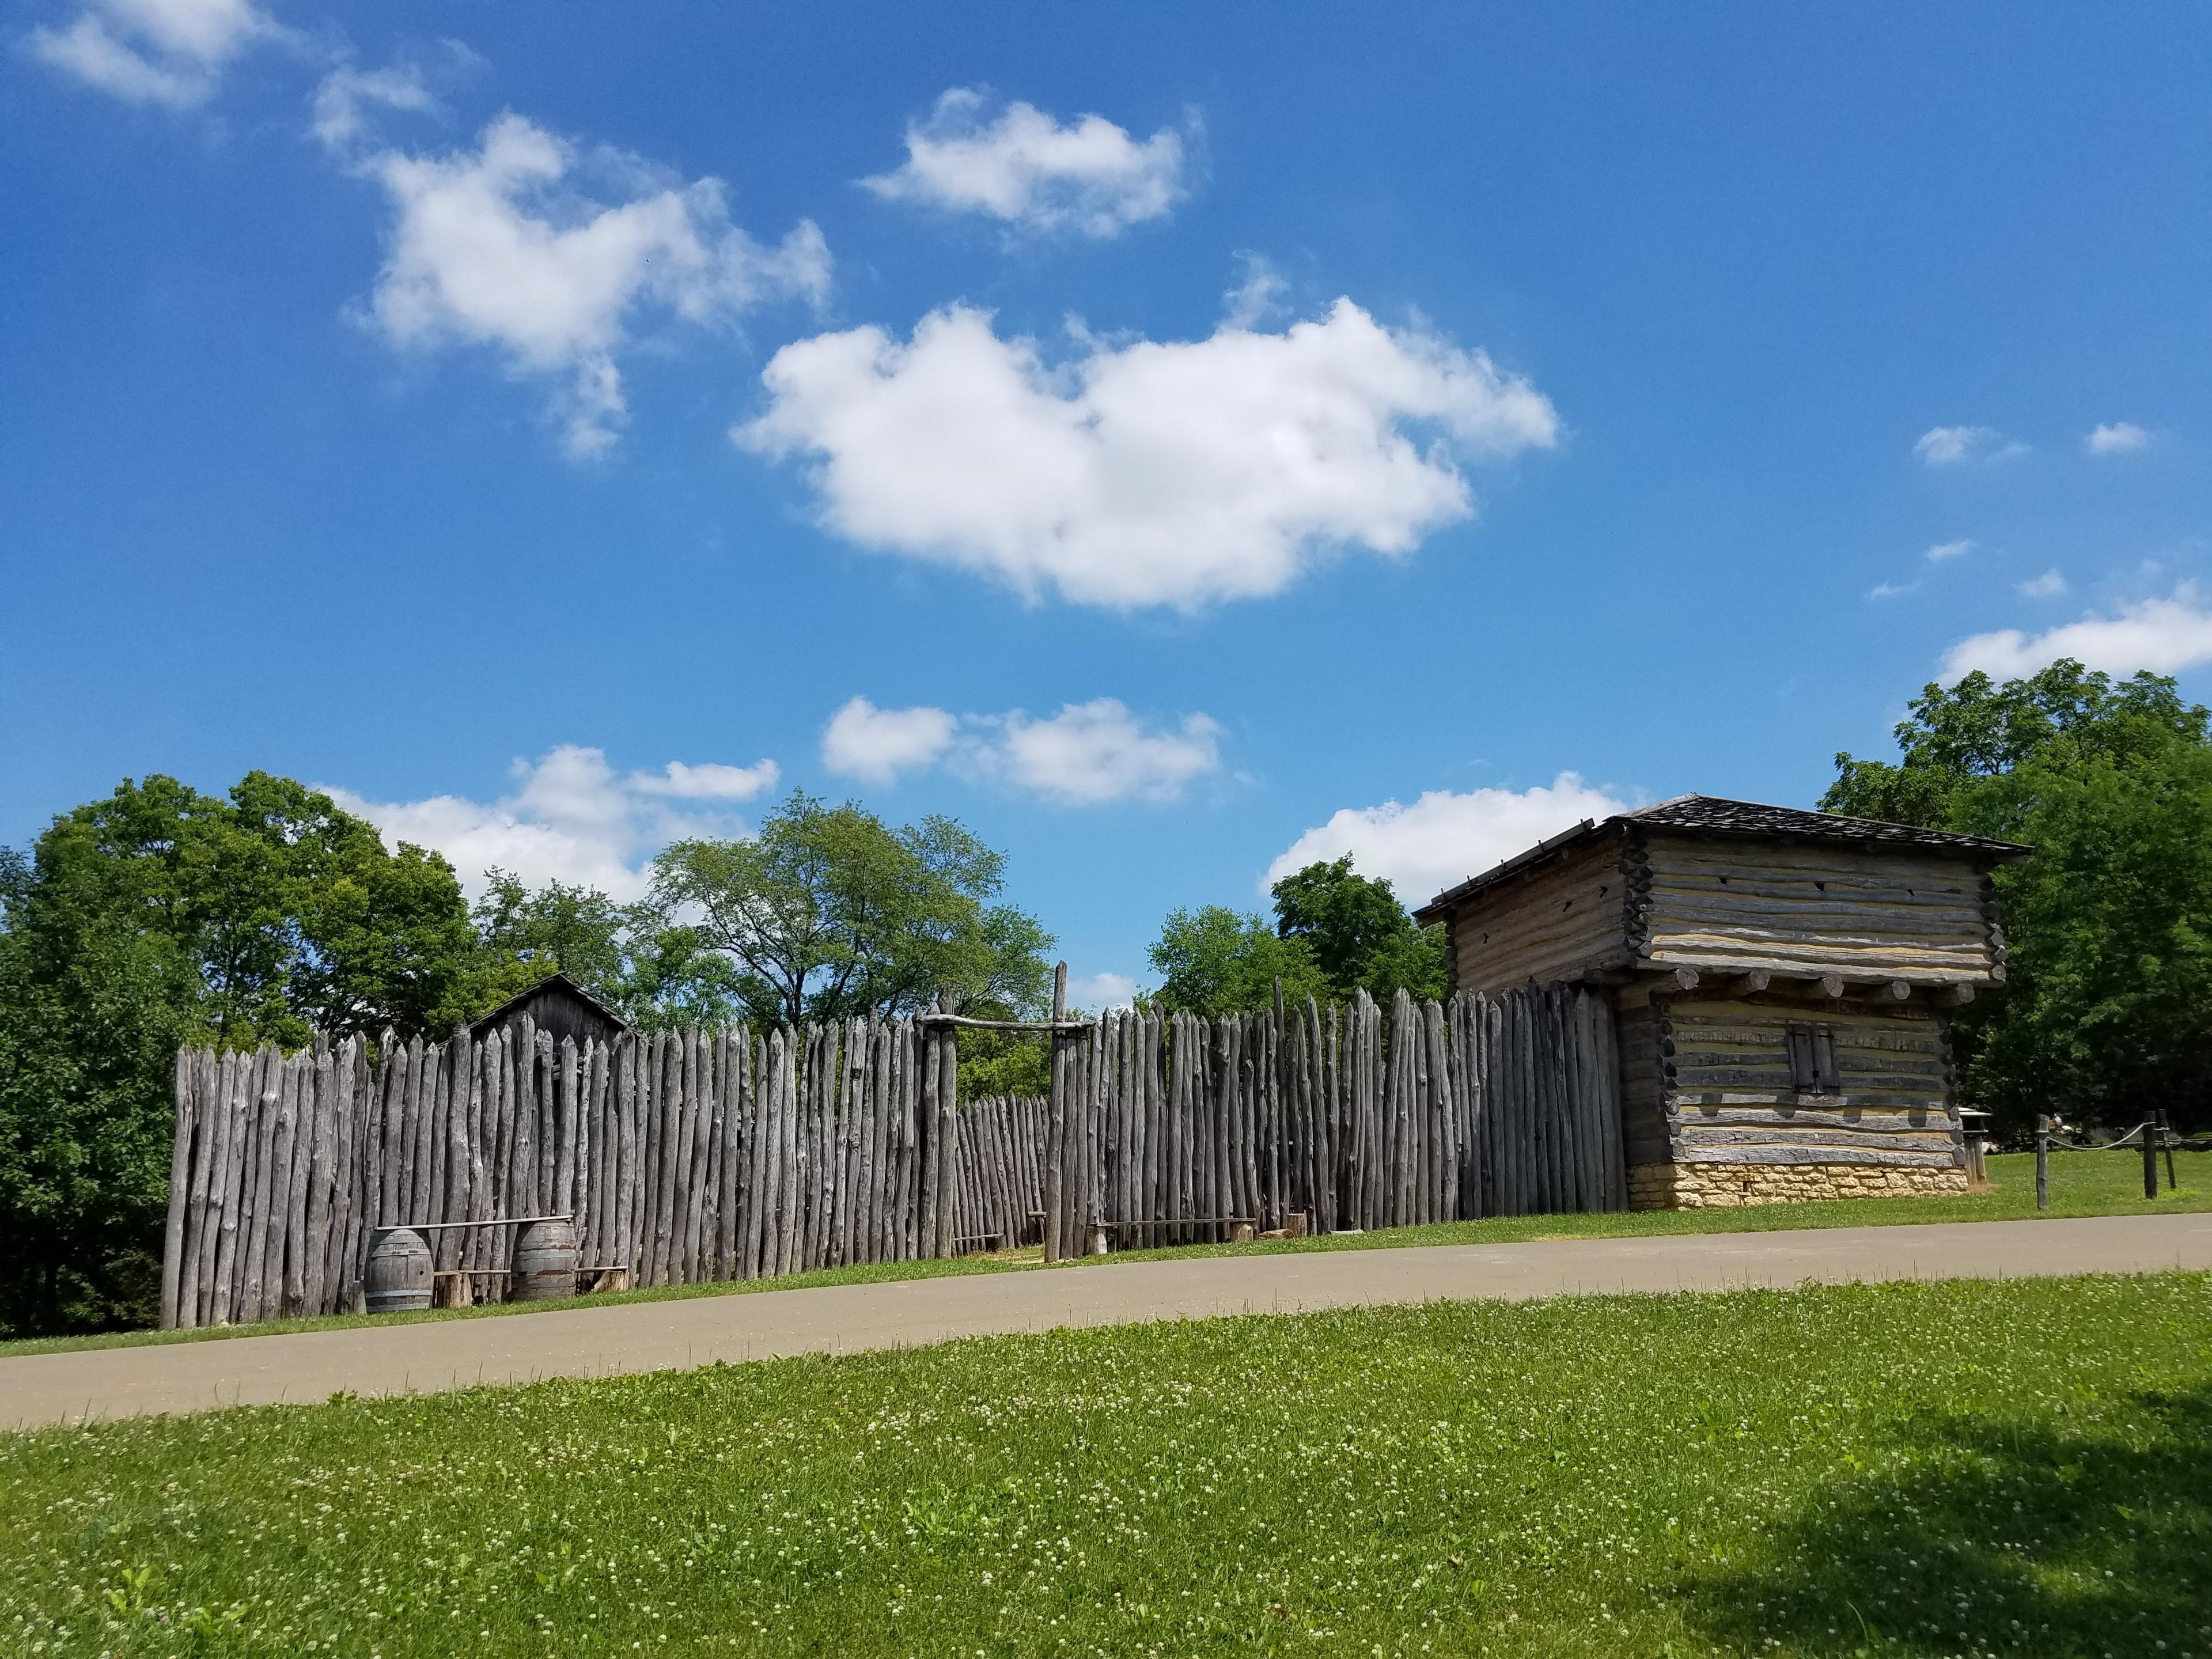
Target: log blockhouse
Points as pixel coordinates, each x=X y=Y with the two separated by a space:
x=1784 y=983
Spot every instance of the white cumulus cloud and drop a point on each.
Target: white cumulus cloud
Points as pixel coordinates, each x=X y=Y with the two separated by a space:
x=1442 y=839
x=501 y=246
x=709 y=781
x=2049 y=585
x=2163 y=635
x=171 y=53
x=1028 y=170
x=1098 y=751
x=2117 y=438
x=1943 y=552
x=876 y=744
x=1088 y=754
x=1098 y=992
x=1954 y=445
x=1143 y=472
x=569 y=818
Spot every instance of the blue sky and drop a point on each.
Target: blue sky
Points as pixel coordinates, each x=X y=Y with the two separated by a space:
x=1200 y=437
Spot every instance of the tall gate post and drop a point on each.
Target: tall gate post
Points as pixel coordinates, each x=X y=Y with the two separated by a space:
x=1055 y=1244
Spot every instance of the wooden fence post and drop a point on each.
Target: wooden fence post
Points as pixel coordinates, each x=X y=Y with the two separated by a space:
x=2042 y=1160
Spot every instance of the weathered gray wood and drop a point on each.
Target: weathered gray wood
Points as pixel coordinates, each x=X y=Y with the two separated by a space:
x=196 y=1256
x=729 y=1150
x=948 y=1082
x=760 y=1199
x=242 y=1074
x=567 y=1080
x=1055 y=1247
x=882 y=1153
x=538 y=1175
x=253 y=1218
x=207 y=1175
x=787 y=1162
x=852 y=1071
x=698 y=1138
x=349 y=1230
x=437 y=1163
x=288 y=1272
x=483 y=1146
x=186 y=1103
x=1787 y=1155
x=422 y=1128
x=664 y=1067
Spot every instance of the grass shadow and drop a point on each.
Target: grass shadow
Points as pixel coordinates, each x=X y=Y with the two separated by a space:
x=2091 y=1535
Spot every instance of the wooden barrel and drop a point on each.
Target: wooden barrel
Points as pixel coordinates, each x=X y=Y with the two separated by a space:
x=397 y=1276
x=545 y=1262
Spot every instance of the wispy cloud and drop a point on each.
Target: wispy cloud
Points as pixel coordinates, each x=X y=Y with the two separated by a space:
x=169 y=53
x=2049 y=585
x=2120 y=438
x=1027 y=170
x=1955 y=445
x=1088 y=754
x=2162 y=635
x=569 y=818
x=1892 y=589
x=1943 y=552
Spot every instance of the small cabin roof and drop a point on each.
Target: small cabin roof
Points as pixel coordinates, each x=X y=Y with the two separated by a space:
x=1713 y=815
x=483 y=1023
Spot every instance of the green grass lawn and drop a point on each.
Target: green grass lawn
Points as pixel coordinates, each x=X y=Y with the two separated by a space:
x=2081 y=1183
x=2020 y=1469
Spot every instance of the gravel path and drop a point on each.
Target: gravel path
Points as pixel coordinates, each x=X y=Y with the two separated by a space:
x=596 y=1341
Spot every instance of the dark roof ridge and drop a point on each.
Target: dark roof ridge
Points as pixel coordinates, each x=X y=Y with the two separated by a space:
x=533 y=989
x=1720 y=815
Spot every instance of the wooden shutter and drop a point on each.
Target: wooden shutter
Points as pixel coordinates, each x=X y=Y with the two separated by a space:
x=1826 y=1080
x=1803 y=1077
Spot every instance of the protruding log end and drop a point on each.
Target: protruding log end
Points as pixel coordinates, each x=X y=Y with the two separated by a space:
x=1956 y=996
x=1753 y=983
x=1899 y=990
x=1827 y=985
x=1686 y=978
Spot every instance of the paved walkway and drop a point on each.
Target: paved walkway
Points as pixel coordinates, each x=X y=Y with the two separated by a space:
x=596 y=1341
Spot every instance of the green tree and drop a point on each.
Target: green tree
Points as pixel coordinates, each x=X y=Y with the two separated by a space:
x=831 y=912
x=1359 y=934
x=157 y=916
x=1215 y=960
x=2108 y=1008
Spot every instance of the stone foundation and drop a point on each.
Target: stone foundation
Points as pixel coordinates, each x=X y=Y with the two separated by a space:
x=1727 y=1186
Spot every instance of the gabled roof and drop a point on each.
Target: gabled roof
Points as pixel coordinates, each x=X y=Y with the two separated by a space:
x=551 y=981
x=1711 y=815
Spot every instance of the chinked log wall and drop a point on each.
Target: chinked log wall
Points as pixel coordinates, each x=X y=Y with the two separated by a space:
x=1813 y=909
x=698 y=1155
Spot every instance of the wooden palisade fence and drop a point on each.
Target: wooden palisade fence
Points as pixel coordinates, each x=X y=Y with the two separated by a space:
x=736 y=1154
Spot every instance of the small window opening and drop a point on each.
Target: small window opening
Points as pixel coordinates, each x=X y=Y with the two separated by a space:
x=1812 y=1060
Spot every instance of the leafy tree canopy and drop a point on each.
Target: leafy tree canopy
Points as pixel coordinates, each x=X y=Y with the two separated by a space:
x=1219 y=961
x=2108 y=1010
x=160 y=915
x=1359 y=934
x=630 y=956
x=832 y=912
